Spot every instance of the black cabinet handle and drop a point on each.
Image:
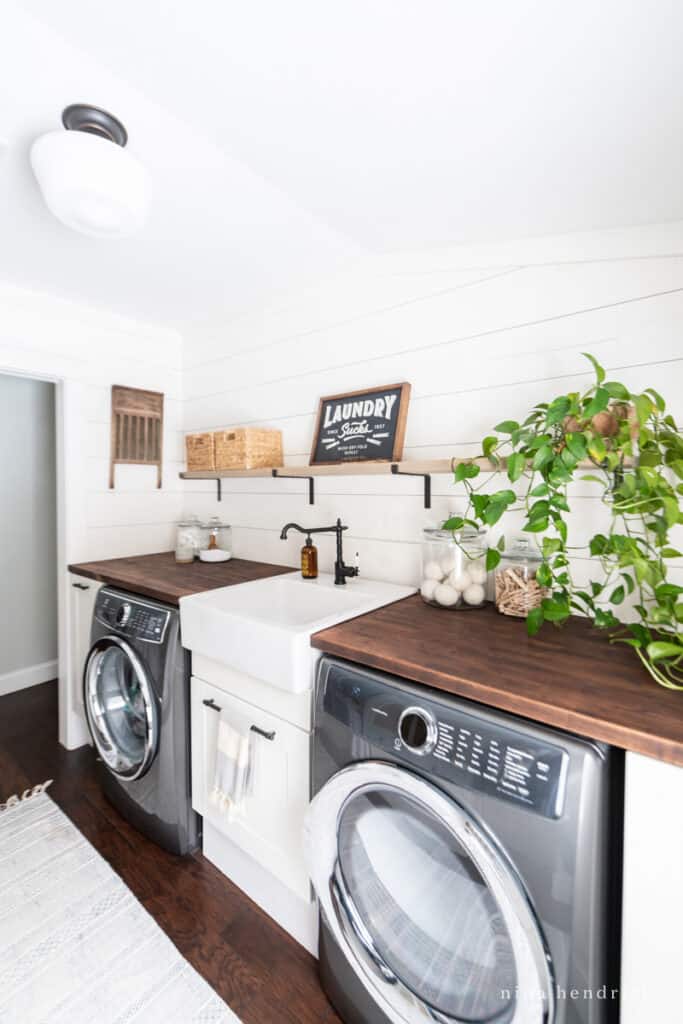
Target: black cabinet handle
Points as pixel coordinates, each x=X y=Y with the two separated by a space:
x=80 y=586
x=211 y=704
x=262 y=732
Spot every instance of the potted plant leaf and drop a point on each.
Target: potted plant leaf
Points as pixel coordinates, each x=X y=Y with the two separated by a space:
x=629 y=448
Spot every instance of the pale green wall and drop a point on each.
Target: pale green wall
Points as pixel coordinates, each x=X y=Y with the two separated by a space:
x=28 y=530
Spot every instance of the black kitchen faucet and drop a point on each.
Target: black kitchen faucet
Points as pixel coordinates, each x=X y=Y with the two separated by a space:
x=341 y=572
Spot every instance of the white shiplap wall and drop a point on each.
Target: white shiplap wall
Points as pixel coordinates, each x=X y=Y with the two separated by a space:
x=86 y=351
x=482 y=333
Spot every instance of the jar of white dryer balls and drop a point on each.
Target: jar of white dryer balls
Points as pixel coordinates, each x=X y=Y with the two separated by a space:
x=454 y=568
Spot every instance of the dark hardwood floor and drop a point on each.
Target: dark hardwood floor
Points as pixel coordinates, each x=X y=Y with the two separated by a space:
x=260 y=971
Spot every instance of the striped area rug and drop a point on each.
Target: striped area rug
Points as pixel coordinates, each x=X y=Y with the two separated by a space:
x=76 y=947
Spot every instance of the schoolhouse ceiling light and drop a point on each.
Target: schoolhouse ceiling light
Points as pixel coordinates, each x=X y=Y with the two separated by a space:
x=89 y=181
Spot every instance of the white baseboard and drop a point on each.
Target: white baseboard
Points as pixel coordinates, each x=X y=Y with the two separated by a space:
x=31 y=676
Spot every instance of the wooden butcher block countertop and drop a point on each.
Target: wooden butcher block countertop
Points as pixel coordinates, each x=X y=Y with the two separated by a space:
x=161 y=578
x=571 y=678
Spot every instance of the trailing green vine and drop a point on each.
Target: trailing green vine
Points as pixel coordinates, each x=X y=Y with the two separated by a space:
x=634 y=451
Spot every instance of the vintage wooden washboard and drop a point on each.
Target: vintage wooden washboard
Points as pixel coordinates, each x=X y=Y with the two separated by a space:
x=137 y=429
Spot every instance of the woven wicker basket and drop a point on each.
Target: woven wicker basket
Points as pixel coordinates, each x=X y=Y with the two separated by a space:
x=200 y=453
x=248 y=448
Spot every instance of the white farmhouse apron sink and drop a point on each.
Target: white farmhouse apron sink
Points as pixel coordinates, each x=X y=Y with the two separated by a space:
x=263 y=628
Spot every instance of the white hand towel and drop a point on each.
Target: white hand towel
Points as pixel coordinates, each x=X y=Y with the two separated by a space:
x=234 y=763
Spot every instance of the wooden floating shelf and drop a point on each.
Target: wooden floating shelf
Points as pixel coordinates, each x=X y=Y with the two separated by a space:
x=417 y=466
x=424 y=468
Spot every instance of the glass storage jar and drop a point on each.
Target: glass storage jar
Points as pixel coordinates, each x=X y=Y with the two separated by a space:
x=517 y=591
x=221 y=532
x=188 y=539
x=454 y=568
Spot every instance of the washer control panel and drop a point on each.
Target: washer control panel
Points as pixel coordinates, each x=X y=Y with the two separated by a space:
x=132 y=618
x=455 y=745
x=503 y=761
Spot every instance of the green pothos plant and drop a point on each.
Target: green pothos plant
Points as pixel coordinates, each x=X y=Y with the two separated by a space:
x=633 y=450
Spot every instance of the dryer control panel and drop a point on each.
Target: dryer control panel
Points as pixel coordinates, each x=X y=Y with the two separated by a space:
x=456 y=745
x=131 y=617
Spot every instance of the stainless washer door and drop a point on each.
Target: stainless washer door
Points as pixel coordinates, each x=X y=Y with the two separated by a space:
x=427 y=909
x=121 y=708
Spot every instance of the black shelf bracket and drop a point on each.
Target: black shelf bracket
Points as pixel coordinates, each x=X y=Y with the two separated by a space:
x=426 y=477
x=311 y=483
x=219 y=489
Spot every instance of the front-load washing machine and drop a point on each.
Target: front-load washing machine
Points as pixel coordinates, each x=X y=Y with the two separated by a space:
x=464 y=859
x=136 y=687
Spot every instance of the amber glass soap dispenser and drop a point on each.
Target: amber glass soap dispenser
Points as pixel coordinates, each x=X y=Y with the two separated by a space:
x=309 y=560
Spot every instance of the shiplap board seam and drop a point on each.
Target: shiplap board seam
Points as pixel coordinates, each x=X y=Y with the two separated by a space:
x=125 y=491
x=449 y=394
x=530 y=264
x=83 y=361
x=367 y=315
x=500 y=269
x=131 y=525
x=364 y=538
x=637 y=243
x=543 y=380
x=387 y=494
x=623 y=350
x=76 y=311
x=398 y=354
x=419 y=350
x=449 y=341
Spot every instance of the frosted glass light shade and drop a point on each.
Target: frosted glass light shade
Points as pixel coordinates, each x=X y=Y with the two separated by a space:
x=90 y=184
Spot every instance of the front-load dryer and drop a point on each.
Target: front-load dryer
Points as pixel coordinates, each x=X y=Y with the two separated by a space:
x=136 y=687
x=463 y=859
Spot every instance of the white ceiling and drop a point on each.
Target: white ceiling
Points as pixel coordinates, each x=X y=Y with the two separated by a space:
x=286 y=138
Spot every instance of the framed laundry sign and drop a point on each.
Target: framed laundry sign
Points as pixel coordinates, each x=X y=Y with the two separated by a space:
x=361 y=426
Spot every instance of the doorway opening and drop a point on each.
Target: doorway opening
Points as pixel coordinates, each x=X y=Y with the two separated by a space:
x=28 y=534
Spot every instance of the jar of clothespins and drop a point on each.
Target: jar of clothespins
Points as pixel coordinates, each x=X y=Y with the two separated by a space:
x=517 y=590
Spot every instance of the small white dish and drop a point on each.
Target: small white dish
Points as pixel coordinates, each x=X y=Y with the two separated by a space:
x=214 y=555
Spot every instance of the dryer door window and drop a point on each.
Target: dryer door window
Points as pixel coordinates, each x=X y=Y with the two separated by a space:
x=121 y=708
x=429 y=911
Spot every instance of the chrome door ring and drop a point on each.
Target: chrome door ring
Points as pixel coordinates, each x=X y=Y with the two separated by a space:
x=535 y=990
x=96 y=717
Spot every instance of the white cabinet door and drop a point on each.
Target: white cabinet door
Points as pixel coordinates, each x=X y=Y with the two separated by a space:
x=270 y=826
x=82 y=594
x=653 y=892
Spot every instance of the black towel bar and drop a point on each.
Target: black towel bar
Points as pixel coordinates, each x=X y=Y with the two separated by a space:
x=254 y=728
x=262 y=732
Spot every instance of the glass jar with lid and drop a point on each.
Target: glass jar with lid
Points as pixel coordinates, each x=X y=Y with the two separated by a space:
x=454 y=568
x=217 y=535
x=188 y=539
x=517 y=590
